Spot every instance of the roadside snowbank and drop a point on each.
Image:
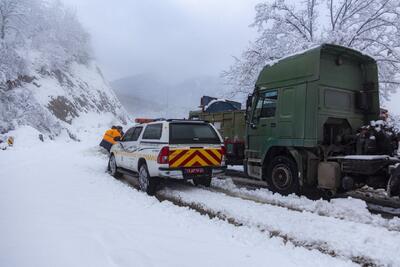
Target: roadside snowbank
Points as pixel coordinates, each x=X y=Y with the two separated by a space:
x=26 y=137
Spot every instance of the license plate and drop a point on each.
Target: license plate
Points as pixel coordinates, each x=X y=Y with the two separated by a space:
x=194 y=171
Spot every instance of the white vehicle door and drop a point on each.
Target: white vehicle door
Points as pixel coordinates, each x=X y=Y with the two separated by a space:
x=131 y=149
x=121 y=157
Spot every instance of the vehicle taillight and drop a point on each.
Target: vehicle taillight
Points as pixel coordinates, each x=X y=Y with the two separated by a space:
x=223 y=153
x=223 y=150
x=163 y=156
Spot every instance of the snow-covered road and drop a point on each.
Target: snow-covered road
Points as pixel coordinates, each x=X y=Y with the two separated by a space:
x=59 y=208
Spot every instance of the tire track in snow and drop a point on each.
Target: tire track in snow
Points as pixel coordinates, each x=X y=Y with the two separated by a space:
x=362 y=244
x=321 y=247
x=180 y=195
x=326 y=209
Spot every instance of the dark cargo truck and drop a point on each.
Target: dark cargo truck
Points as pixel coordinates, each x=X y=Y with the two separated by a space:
x=229 y=119
x=305 y=124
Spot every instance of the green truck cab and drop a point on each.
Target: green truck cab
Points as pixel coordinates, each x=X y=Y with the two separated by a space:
x=304 y=124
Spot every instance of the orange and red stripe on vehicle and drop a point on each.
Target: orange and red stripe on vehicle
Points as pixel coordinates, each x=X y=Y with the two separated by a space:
x=198 y=157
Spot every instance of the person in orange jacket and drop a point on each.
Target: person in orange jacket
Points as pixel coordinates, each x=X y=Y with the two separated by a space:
x=111 y=136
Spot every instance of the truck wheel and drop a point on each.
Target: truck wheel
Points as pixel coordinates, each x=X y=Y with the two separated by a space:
x=245 y=169
x=112 y=167
x=146 y=183
x=282 y=176
x=204 y=181
x=393 y=186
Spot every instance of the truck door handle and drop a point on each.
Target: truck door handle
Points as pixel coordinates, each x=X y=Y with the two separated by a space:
x=273 y=124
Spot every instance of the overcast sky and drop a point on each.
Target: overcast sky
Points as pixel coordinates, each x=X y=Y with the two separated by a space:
x=178 y=38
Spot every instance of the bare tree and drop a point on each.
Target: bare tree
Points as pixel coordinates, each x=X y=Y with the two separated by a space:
x=371 y=26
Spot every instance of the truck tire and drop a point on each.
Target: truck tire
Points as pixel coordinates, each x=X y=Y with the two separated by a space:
x=245 y=169
x=113 y=168
x=282 y=176
x=393 y=186
x=146 y=183
x=204 y=181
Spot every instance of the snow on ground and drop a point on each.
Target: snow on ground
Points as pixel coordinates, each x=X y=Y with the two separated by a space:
x=236 y=168
x=60 y=208
x=346 y=238
x=342 y=208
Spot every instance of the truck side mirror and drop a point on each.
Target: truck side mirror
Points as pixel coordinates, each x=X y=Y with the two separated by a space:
x=248 y=107
x=249 y=101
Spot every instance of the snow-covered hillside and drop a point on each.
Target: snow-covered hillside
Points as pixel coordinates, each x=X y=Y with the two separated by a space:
x=50 y=101
x=48 y=75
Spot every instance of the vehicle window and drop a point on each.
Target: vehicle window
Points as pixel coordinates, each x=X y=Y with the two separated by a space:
x=152 y=131
x=192 y=133
x=128 y=135
x=266 y=104
x=136 y=133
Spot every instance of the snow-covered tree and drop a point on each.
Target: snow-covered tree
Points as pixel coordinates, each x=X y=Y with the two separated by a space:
x=12 y=14
x=286 y=27
x=39 y=35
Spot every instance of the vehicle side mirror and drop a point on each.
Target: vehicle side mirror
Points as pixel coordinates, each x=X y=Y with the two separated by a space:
x=249 y=101
x=117 y=138
x=248 y=107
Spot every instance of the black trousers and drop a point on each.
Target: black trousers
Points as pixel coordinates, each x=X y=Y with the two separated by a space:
x=106 y=145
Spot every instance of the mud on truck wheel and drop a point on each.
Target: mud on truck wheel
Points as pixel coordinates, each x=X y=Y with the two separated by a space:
x=282 y=176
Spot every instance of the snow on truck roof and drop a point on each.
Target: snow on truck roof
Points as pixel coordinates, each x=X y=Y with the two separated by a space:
x=304 y=65
x=318 y=48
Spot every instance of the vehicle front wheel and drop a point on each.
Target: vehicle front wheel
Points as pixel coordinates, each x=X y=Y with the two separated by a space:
x=204 y=181
x=282 y=176
x=112 y=167
x=146 y=183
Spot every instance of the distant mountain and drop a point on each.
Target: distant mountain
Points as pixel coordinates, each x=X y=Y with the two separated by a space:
x=150 y=95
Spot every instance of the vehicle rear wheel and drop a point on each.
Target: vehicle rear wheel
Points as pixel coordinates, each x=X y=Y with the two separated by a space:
x=146 y=183
x=112 y=167
x=282 y=176
x=204 y=181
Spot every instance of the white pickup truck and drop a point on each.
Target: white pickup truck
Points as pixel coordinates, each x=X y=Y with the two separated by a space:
x=173 y=149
